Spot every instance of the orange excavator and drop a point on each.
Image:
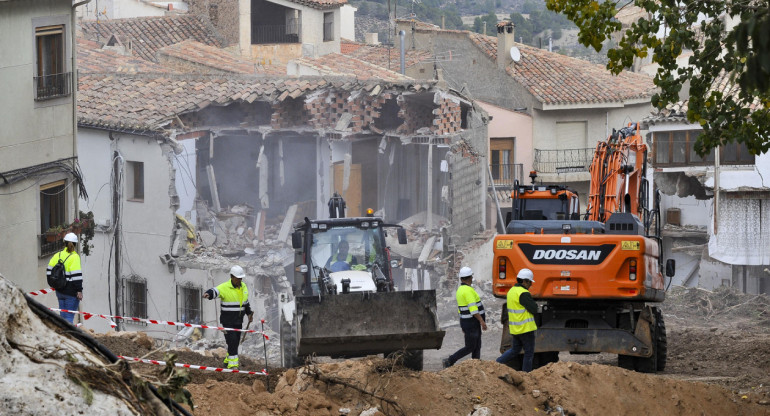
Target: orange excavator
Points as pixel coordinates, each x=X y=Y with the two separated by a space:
x=597 y=280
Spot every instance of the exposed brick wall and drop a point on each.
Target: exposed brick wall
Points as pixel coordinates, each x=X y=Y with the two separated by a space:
x=290 y=112
x=223 y=15
x=447 y=117
x=415 y=115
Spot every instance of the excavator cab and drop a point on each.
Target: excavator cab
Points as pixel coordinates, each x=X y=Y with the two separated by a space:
x=540 y=202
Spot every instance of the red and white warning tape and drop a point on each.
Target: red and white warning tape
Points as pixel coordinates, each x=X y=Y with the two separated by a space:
x=157 y=322
x=42 y=291
x=199 y=367
x=86 y=315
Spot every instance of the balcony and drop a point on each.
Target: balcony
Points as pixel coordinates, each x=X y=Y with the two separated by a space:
x=504 y=174
x=266 y=34
x=53 y=86
x=563 y=160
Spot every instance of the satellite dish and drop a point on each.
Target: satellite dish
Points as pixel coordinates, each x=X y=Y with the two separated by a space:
x=515 y=54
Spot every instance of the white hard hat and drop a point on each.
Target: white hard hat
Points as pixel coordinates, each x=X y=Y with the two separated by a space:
x=71 y=237
x=465 y=272
x=237 y=271
x=526 y=274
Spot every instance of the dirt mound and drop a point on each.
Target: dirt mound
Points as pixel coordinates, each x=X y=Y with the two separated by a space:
x=723 y=306
x=360 y=386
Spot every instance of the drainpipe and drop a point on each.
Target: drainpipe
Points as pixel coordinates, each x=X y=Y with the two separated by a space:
x=401 y=35
x=716 y=190
x=75 y=92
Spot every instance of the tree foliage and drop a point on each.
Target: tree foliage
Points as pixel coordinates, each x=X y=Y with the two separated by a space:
x=741 y=54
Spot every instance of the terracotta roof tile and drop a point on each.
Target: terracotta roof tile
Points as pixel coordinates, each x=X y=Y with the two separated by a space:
x=93 y=58
x=557 y=79
x=336 y=64
x=149 y=34
x=387 y=57
x=217 y=59
x=148 y=102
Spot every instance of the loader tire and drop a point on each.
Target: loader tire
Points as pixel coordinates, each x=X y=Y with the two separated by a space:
x=661 y=346
x=288 y=335
x=650 y=364
x=413 y=360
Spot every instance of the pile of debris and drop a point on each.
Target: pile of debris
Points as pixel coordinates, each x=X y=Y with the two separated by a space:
x=50 y=368
x=723 y=305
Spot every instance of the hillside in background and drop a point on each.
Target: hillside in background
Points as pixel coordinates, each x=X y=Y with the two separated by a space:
x=535 y=25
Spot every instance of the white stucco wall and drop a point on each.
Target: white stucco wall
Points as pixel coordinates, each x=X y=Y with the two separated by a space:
x=146 y=231
x=600 y=122
x=122 y=9
x=186 y=188
x=693 y=211
x=348 y=22
x=33 y=133
x=507 y=123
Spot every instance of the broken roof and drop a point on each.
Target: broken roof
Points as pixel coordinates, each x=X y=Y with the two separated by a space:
x=147 y=35
x=555 y=79
x=216 y=59
x=147 y=102
x=384 y=56
x=341 y=65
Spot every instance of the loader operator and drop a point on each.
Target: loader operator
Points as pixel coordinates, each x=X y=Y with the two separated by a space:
x=521 y=320
x=472 y=318
x=235 y=304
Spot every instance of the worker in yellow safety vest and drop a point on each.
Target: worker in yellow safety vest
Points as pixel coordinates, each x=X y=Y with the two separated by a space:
x=235 y=305
x=71 y=294
x=472 y=318
x=521 y=320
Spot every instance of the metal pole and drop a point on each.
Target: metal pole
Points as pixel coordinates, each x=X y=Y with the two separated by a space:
x=497 y=203
x=401 y=35
x=264 y=345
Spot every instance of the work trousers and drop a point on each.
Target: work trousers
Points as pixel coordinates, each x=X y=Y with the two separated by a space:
x=526 y=341
x=472 y=332
x=232 y=338
x=67 y=302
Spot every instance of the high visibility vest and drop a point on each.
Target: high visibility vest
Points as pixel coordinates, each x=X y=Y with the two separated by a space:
x=71 y=265
x=520 y=321
x=234 y=300
x=347 y=260
x=469 y=302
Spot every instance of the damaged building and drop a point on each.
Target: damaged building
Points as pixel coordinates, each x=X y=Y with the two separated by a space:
x=191 y=174
x=715 y=208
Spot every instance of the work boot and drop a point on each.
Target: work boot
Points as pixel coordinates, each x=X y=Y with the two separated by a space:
x=446 y=363
x=232 y=362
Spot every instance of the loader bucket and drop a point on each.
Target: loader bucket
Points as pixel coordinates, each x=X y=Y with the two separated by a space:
x=364 y=323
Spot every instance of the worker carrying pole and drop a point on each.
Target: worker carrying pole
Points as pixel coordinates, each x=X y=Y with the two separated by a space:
x=235 y=305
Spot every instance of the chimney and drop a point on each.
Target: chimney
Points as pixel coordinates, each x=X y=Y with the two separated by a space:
x=372 y=38
x=505 y=42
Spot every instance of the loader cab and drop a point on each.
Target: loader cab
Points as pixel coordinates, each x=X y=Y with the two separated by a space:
x=317 y=255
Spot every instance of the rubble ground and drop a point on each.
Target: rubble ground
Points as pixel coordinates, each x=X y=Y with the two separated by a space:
x=717 y=364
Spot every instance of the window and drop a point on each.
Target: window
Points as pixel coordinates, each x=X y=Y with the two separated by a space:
x=501 y=158
x=328 y=26
x=677 y=148
x=135 y=181
x=53 y=205
x=189 y=303
x=135 y=297
x=53 y=212
x=51 y=78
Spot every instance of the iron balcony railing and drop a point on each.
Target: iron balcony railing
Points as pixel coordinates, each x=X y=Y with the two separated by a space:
x=53 y=86
x=563 y=160
x=289 y=33
x=503 y=174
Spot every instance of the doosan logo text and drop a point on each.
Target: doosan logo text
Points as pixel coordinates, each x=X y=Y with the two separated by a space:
x=593 y=255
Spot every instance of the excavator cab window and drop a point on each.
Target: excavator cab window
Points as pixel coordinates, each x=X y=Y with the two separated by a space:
x=547 y=208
